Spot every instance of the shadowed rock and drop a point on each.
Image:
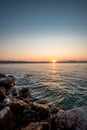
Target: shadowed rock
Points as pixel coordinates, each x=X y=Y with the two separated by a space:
x=13 y=92
x=41 y=109
x=17 y=106
x=35 y=112
x=6 y=102
x=2 y=75
x=2 y=93
x=7 y=119
x=25 y=92
x=75 y=119
x=7 y=82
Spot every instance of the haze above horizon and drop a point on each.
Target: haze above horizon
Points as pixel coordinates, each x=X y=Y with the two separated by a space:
x=49 y=30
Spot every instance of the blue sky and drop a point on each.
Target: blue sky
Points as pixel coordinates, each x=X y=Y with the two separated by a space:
x=49 y=28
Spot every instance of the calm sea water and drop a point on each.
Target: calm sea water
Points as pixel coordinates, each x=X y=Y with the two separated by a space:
x=63 y=85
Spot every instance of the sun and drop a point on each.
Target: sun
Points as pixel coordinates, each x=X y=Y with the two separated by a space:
x=53 y=60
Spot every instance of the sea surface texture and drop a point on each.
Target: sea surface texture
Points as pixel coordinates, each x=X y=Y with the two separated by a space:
x=57 y=84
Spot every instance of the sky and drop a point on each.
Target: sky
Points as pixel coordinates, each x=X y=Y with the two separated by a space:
x=43 y=30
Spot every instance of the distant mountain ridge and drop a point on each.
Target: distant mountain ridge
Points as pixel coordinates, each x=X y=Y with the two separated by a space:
x=67 y=61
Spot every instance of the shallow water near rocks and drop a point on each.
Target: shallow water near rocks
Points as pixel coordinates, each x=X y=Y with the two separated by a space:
x=58 y=84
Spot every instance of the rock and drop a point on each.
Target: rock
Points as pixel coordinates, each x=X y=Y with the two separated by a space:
x=36 y=126
x=11 y=76
x=2 y=93
x=2 y=75
x=6 y=102
x=28 y=117
x=17 y=106
x=0 y=105
x=75 y=119
x=35 y=112
x=14 y=92
x=7 y=119
x=7 y=82
x=25 y=92
x=42 y=110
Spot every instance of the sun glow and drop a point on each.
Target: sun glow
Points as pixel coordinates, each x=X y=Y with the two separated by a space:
x=53 y=60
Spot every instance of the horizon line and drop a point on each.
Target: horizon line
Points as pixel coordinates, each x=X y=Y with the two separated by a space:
x=63 y=61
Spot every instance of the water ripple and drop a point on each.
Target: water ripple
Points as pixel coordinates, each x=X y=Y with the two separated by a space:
x=63 y=85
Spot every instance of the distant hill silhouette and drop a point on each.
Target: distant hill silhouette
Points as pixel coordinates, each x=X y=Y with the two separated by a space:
x=67 y=61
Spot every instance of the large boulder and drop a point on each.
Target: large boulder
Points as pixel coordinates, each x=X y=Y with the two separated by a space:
x=25 y=92
x=7 y=82
x=42 y=110
x=18 y=106
x=7 y=119
x=75 y=119
x=2 y=75
x=35 y=112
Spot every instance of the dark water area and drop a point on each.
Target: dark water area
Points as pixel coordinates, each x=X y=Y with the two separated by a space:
x=58 y=84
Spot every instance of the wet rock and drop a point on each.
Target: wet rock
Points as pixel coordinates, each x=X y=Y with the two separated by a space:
x=2 y=93
x=35 y=112
x=6 y=102
x=36 y=126
x=7 y=82
x=75 y=119
x=28 y=100
x=7 y=119
x=29 y=116
x=2 y=75
x=42 y=110
x=25 y=92
x=18 y=106
x=11 y=76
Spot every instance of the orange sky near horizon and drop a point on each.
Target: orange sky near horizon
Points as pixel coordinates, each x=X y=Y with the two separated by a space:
x=26 y=57
x=44 y=48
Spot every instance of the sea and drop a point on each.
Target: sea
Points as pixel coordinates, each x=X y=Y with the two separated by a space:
x=61 y=85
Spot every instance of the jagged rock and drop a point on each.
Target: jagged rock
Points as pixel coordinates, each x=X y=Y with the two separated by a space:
x=36 y=112
x=7 y=82
x=25 y=92
x=7 y=119
x=6 y=102
x=42 y=110
x=75 y=119
x=17 y=106
x=11 y=76
x=2 y=93
x=29 y=116
x=2 y=75
x=36 y=126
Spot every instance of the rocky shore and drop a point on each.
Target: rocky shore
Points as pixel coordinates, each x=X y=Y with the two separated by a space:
x=18 y=111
